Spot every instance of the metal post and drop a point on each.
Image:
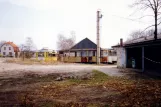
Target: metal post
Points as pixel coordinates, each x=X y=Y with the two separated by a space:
x=143 y=59
x=126 y=63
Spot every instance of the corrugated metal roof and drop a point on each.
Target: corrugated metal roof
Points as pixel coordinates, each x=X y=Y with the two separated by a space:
x=85 y=44
x=139 y=40
x=142 y=39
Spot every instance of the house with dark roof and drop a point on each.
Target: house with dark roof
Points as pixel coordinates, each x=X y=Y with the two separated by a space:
x=9 y=49
x=143 y=53
x=84 y=51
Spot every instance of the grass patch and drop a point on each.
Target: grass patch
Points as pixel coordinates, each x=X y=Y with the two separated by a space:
x=97 y=78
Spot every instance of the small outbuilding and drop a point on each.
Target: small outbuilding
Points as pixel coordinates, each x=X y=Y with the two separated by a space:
x=142 y=53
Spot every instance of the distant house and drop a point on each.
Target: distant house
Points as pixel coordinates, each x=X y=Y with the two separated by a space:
x=143 y=53
x=85 y=52
x=46 y=52
x=9 y=49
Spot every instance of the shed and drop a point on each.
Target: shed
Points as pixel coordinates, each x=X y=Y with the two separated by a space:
x=144 y=53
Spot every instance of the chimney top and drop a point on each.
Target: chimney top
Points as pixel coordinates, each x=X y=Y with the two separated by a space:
x=121 y=42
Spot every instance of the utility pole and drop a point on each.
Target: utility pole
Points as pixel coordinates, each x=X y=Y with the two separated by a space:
x=99 y=16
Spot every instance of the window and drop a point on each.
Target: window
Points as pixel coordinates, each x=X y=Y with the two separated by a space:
x=10 y=53
x=90 y=53
x=4 y=48
x=94 y=53
x=4 y=53
x=78 y=53
x=9 y=48
x=84 y=53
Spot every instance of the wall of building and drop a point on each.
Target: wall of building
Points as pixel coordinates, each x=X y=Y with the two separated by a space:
x=79 y=53
x=104 y=53
x=121 y=57
x=69 y=53
x=7 y=51
x=83 y=56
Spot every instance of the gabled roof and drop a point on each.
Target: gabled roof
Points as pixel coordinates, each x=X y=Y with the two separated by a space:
x=15 y=47
x=85 y=44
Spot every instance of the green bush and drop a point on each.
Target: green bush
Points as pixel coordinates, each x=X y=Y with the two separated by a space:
x=0 y=55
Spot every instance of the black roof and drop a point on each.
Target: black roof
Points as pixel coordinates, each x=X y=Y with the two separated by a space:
x=85 y=44
x=148 y=40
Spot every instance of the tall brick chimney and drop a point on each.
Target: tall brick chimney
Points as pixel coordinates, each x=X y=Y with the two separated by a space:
x=121 y=42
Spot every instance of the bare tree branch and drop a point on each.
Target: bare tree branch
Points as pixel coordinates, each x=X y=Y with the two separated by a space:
x=159 y=7
x=28 y=47
x=148 y=28
x=157 y=3
x=1 y=43
x=151 y=5
x=155 y=6
x=159 y=23
x=145 y=16
x=159 y=18
x=139 y=34
x=65 y=43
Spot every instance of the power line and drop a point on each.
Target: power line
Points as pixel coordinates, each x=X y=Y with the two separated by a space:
x=130 y=19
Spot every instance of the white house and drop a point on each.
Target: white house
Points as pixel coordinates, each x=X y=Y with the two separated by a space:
x=9 y=49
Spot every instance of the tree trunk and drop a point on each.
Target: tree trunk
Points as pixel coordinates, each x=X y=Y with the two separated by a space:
x=23 y=56
x=156 y=25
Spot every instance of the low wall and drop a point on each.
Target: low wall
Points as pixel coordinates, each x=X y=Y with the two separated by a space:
x=51 y=59
x=71 y=59
x=47 y=58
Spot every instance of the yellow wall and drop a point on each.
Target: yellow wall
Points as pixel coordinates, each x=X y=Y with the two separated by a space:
x=72 y=59
x=78 y=59
x=46 y=57
x=93 y=59
x=51 y=59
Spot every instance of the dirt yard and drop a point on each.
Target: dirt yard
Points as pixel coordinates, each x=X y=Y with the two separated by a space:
x=75 y=85
x=19 y=69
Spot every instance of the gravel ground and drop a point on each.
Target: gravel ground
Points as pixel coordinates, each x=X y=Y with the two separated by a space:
x=14 y=70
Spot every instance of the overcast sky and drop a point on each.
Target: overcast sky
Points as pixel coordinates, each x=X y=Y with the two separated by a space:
x=43 y=20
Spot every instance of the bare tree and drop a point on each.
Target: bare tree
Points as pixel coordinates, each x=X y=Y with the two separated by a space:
x=1 y=43
x=28 y=47
x=21 y=47
x=64 y=43
x=153 y=5
x=136 y=34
